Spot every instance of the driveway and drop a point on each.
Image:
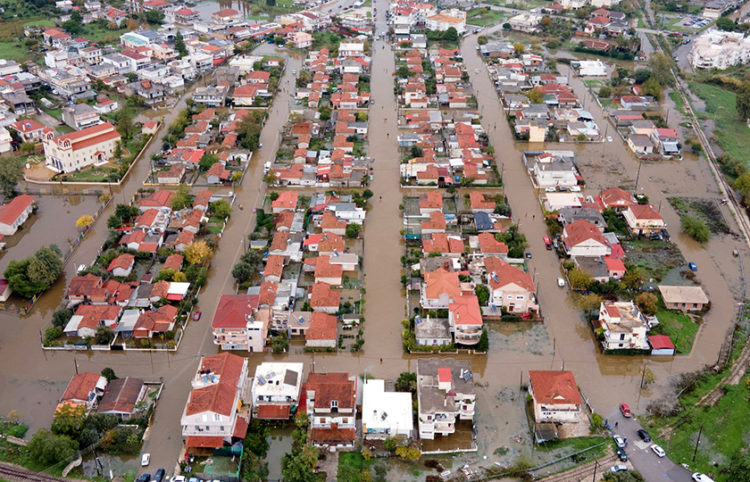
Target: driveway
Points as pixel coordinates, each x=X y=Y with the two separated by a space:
x=644 y=460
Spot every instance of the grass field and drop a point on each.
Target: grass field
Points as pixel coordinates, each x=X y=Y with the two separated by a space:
x=732 y=135
x=351 y=466
x=679 y=327
x=95 y=32
x=478 y=16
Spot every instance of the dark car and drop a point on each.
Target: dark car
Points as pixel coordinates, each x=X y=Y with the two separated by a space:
x=144 y=478
x=644 y=435
x=159 y=475
x=622 y=455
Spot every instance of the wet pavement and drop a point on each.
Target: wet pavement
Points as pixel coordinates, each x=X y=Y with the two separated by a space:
x=33 y=379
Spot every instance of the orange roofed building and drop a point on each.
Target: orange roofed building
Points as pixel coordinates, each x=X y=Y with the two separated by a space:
x=79 y=149
x=555 y=396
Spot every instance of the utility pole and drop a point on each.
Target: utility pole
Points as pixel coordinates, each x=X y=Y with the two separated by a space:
x=643 y=375
x=75 y=362
x=637 y=177
x=596 y=466
x=695 y=452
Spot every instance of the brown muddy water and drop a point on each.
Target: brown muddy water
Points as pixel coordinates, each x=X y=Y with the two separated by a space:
x=33 y=379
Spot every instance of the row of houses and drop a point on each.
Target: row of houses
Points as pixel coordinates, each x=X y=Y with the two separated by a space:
x=434 y=78
x=309 y=264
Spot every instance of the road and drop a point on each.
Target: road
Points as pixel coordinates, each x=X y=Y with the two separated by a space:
x=644 y=460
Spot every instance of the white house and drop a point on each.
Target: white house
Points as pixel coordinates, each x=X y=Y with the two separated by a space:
x=385 y=414
x=74 y=151
x=445 y=395
x=331 y=405
x=622 y=326
x=555 y=396
x=15 y=213
x=238 y=325
x=276 y=390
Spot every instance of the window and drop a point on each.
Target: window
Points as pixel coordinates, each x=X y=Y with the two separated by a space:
x=334 y=404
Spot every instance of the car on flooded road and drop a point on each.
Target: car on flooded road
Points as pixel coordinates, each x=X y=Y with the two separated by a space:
x=197 y=315
x=145 y=459
x=692 y=266
x=625 y=410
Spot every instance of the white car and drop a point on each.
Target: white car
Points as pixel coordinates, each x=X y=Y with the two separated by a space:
x=609 y=138
x=561 y=282
x=621 y=443
x=575 y=188
x=619 y=468
x=698 y=477
x=658 y=451
x=81 y=268
x=550 y=189
x=145 y=459
x=177 y=478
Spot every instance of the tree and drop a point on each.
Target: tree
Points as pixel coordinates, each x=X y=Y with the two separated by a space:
x=743 y=101
x=44 y=267
x=410 y=454
x=519 y=48
x=661 y=68
x=11 y=171
x=198 y=252
x=179 y=44
x=51 y=449
x=207 y=161
x=589 y=302
x=61 y=317
x=74 y=26
x=279 y=343
x=578 y=279
x=221 y=209
x=403 y=72
x=482 y=40
x=407 y=382
x=634 y=278
x=739 y=468
x=742 y=184
x=696 y=229
x=154 y=16
x=390 y=444
x=726 y=24
x=652 y=87
x=536 y=96
x=124 y=123
x=647 y=302
x=109 y=374
x=299 y=466
x=104 y=335
x=126 y=212
x=84 y=221
x=117 y=153
x=242 y=272
x=483 y=294
x=27 y=147
x=182 y=198
x=605 y=92
x=325 y=113
x=352 y=230
x=69 y=420
x=629 y=476
x=450 y=35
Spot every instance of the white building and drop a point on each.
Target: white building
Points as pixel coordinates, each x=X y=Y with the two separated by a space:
x=385 y=414
x=276 y=390
x=239 y=325
x=210 y=416
x=555 y=396
x=445 y=394
x=74 y=151
x=622 y=326
x=5 y=140
x=446 y=19
x=715 y=49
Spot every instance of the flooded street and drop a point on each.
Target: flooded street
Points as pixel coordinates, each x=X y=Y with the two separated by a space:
x=33 y=379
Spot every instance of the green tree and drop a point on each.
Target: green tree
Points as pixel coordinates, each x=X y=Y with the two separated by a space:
x=74 y=26
x=325 y=113
x=390 y=444
x=109 y=374
x=279 y=343
x=242 y=272
x=407 y=382
x=629 y=476
x=742 y=185
x=154 y=16
x=299 y=466
x=634 y=278
x=661 y=69
x=696 y=229
x=484 y=341
x=61 y=317
x=124 y=123
x=589 y=302
x=578 y=279
x=652 y=87
x=44 y=267
x=126 y=212
x=726 y=24
x=104 y=335
x=450 y=35
x=51 y=449
x=11 y=171
x=739 y=468
x=647 y=302
x=519 y=48
x=743 y=101
x=483 y=294
x=207 y=161
x=69 y=420
x=352 y=230
x=536 y=96
x=182 y=198
x=220 y=209
x=179 y=44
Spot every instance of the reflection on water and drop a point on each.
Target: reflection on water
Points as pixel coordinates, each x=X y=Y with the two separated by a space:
x=280 y=442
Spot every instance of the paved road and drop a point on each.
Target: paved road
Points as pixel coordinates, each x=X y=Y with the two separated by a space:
x=644 y=460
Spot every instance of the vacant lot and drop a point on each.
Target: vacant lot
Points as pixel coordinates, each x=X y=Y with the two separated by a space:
x=680 y=328
x=703 y=209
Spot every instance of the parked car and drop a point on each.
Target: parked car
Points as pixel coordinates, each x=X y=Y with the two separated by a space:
x=698 y=477
x=622 y=455
x=625 y=410
x=692 y=266
x=527 y=255
x=144 y=478
x=561 y=282
x=620 y=441
x=177 y=478
x=197 y=315
x=575 y=188
x=658 y=451
x=81 y=268
x=550 y=189
x=145 y=459
x=159 y=475
x=644 y=435
x=619 y=468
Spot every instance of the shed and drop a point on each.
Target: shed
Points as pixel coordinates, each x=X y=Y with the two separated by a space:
x=661 y=345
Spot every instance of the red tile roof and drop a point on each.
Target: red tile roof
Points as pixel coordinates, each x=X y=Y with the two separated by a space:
x=503 y=274
x=273 y=412
x=442 y=281
x=554 y=387
x=660 y=342
x=323 y=296
x=200 y=442
x=216 y=398
x=124 y=261
x=581 y=230
x=466 y=310
x=322 y=327
x=233 y=310
x=80 y=386
x=330 y=387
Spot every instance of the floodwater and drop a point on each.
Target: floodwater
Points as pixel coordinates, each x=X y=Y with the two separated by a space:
x=33 y=379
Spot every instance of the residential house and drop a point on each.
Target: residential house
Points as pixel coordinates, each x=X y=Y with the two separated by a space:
x=322 y=332
x=684 y=298
x=74 y=151
x=510 y=288
x=276 y=390
x=84 y=389
x=465 y=319
x=643 y=219
x=555 y=396
x=385 y=414
x=331 y=406
x=125 y=397
x=235 y=324
x=445 y=395
x=622 y=326
x=440 y=288
x=582 y=238
x=15 y=213
x=122 y=265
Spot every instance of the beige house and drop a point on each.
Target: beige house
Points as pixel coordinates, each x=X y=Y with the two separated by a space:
x=555 y=396
x=685 y=298
x=510 y=288
x=623 y=326
x=79 y=149
x=643 y=219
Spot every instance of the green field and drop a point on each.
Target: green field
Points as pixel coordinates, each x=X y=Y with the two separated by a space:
x=679 y=327
x=351 y=466
x=677 y=99
x=732 y=135
x=483 y=17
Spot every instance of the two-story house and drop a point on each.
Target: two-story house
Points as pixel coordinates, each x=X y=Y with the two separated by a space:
x=236 y=326
x=331 y=405
x=510 y=288
x=555 y=396
x=276 y=390
x=210 y=417
x=622 y=326
x=445 y=396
